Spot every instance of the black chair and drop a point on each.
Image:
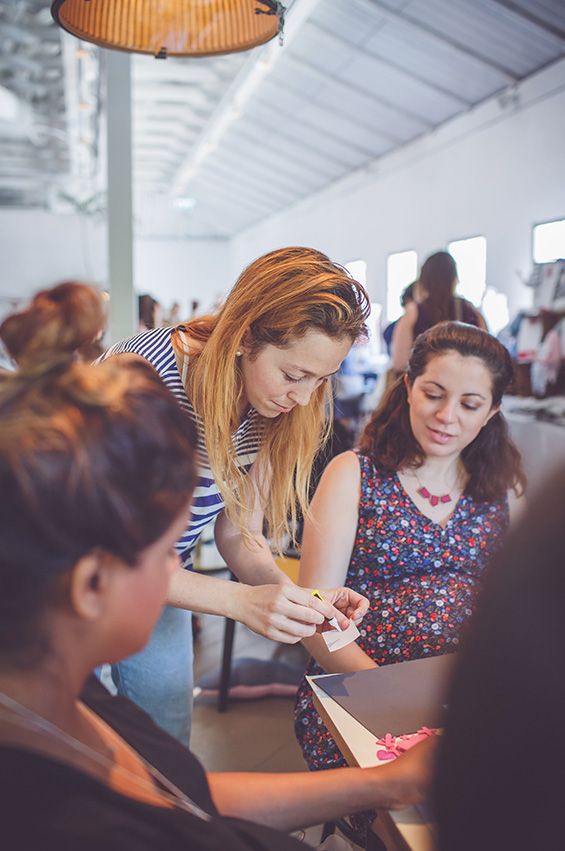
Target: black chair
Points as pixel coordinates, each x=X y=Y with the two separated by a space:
x=290 y=558
x=229 y=633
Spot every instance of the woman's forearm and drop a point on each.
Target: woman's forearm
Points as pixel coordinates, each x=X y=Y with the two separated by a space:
x=252 y=562
x=350 y=658
x=291 y=801
x=279 y=611
x=199 y=593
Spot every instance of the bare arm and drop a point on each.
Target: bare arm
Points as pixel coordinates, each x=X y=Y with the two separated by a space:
x=252 y=562
x=128 y=357
x=329 y=536
x=516 y=507
x=403 y=337
x=279 y=609
x=291 y=801
x=481 y=320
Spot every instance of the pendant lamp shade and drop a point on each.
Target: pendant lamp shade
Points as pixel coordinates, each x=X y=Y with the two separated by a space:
x=171 y=27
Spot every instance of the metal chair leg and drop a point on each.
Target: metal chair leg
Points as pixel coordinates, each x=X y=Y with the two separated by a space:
x=229 y=632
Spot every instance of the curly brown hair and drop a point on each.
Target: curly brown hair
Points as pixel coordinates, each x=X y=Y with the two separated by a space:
x=492 y=461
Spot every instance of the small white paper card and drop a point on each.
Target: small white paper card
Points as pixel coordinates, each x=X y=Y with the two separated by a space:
x=336 y=639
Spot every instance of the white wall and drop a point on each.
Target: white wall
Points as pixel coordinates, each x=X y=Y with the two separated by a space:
x=495 y=171
x=39 y=248
x=182 y=270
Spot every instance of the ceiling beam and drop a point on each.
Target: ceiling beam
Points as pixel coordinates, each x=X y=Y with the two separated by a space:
x=213 y=186
x=347 y=141
x=240 y=91
x=290 y=165
x=360 y=90
x=335 y=110
x=359 y=50
x=461 y=46
x=286 y=181
x=256 y=178
x=304 y=152
x=531 y=17
x=251 y=185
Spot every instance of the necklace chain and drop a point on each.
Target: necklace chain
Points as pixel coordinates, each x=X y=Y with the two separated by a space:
x=435 y=499
x=27 y=717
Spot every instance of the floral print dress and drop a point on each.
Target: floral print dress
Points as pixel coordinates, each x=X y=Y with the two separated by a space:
x=421 y=579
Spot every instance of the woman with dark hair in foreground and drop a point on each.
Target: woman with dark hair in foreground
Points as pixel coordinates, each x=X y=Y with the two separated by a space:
x=96 y=475
x=501 y=773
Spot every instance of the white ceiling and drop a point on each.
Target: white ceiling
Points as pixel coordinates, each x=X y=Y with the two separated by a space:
x=247 y=135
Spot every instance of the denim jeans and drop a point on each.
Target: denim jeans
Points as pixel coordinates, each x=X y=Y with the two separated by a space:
x=159 y=678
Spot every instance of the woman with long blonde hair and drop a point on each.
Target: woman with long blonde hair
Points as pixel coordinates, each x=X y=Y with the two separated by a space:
x=254 y=380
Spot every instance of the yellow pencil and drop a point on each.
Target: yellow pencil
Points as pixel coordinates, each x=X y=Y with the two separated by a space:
x=332 y=621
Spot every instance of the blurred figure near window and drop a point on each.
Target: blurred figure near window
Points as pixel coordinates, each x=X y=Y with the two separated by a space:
x=436 y=302
x=356 y=378
x=408 y=294
x=150 y=312
x=173 y=316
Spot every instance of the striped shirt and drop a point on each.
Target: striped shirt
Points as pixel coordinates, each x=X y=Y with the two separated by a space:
x=156 y=347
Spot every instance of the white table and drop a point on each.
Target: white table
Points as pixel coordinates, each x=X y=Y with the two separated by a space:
x=405 y=829
x=542 y=445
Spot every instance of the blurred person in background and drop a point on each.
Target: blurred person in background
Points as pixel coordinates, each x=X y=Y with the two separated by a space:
x=150 y=312
x=408 y=294
x=435 y=302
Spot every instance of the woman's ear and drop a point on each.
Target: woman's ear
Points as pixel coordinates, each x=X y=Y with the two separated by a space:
x=91 y=584
x=494 y=410
x=246 y=343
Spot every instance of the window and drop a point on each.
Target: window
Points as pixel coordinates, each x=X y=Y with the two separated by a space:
x=358 y=270
x=549 y=241
x=401 y=270
x=495 y=310
x=471 y=258
x=374 y=328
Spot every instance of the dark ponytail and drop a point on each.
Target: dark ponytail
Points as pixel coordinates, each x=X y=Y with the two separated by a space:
x=437 y=280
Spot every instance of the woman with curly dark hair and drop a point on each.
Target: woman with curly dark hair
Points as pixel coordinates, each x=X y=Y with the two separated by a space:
x=411 y=519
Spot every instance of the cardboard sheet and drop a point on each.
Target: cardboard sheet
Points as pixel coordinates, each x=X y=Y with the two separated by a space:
x=395 y=699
